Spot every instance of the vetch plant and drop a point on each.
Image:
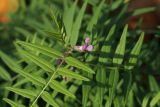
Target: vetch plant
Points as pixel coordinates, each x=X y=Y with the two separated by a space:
x=76 y=64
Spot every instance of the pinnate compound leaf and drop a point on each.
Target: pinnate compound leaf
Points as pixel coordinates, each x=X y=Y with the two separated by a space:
x=44 y=64
x=23 y=92
x=34 y=78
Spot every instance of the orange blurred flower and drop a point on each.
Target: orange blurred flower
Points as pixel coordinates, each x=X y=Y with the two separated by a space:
x=6 y=7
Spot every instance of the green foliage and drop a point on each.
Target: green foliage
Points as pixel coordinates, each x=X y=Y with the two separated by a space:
x=45 y=69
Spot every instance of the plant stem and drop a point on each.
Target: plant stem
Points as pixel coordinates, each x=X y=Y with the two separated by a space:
x=47 y=83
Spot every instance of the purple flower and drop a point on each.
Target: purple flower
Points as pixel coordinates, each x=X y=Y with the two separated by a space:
x=85 y=47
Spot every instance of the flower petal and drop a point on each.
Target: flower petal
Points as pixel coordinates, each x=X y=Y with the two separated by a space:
x=87 y=40
x=78 y=48
x=89 y=48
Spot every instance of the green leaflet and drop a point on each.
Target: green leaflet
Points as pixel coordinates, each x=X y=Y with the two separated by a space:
x=107 y=48
x=117 y=102
x=113 y=81
x=130 y=102
x=77 y=24
x=143 y=10
x=135 y=52
x=73 y=88
x=34 y=78
x=120 y=50
x=49 y=99
x=23 y=92
x=4 y=74
x=146 y=100
x=8 y=61
x=115 y=4
x=71 y=74
x=60 y=88
x=20 y=83
x=126 y=86
x=118 y=58
x=42 y=49
x=68 y=19
x=25 y=80
x=44 y=64
x=155 y=100
x=12 y=103
x=76 y=63
x=101 y=80
x=153 y=85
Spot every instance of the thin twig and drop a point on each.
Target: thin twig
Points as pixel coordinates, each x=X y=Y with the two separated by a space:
x=47 y=83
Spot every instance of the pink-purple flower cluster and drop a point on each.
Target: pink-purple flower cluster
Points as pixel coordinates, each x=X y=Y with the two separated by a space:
x=85 y=47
